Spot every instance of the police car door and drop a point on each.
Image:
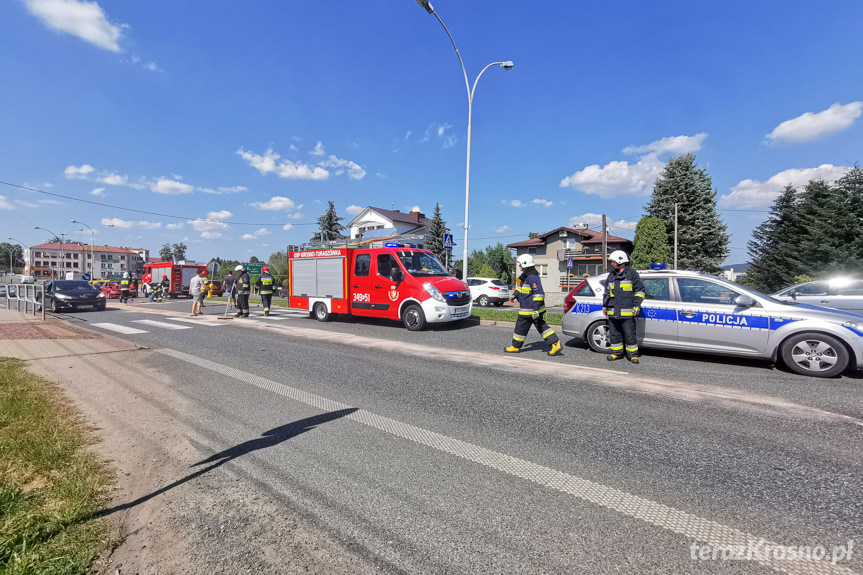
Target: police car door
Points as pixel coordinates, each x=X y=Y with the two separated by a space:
x=708 y=319
x=657 y=322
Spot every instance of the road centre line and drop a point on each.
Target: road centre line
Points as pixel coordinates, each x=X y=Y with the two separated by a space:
x=668 y=518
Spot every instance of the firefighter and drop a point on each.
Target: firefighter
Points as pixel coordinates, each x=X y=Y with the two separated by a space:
x=244 y=289
x=265 y=288
x=156 y=289
x=624 y=293
x=531 y=299
x=166 y=287
x=124 y=288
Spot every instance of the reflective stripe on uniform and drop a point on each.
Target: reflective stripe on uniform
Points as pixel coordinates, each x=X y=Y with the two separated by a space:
x=518 y=338
x=547 y=333
x=617 y=347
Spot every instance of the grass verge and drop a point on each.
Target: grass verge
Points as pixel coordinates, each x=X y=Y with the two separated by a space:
x=50 y=485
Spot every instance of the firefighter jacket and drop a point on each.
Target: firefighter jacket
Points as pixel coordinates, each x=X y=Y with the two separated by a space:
x=531 y=296
x=624 y=291
x=244 y=284
x=265 y=284
x=124 y=284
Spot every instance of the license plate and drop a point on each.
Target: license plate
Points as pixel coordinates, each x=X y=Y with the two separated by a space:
x=460 y=310
x=84 y=306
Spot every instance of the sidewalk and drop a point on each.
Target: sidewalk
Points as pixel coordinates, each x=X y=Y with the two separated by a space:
x=25 y=336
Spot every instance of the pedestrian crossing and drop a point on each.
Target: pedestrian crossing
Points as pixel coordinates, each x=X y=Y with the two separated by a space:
x=170 y=325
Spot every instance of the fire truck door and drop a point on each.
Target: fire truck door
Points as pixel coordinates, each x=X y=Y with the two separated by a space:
x=361 y=284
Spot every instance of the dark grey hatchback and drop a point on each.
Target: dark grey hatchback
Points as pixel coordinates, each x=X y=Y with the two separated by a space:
x=74 y=295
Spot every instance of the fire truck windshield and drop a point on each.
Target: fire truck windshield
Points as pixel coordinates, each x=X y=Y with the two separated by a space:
x=421 y=264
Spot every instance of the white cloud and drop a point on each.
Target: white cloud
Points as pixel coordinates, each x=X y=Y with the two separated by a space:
x=73 y=173
x=171 y=187
x=128 y=224
x=115 y=180
x=502 y=230
x=5 y=205
x=209 y=229
x=174 y=226
x=354 y=210
x=268 y=164
x=98 y=192
x=220 y=215
x=319 y=150
x=752 y=193
x=233 y=189
x=276 y=203
x=811 y=126
x=515 y=203
x=287 y=227
x=620 y=178
x=440 y=133
x=355 y=172
x=594 y=222
x=541 y=202
x=258 y=234
x=83 y=19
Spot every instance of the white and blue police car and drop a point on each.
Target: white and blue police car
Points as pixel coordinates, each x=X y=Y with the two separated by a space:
x=690 y=311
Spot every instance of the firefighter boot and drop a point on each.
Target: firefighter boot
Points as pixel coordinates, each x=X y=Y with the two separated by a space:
x=613 y=357
x=512 y=349
x=555 y=348
x=239 y=314
x=634 y=359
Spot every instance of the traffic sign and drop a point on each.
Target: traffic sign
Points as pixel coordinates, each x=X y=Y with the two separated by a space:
x=447 y=241
x=254 y=268
x=569 y=263
x=85 y=277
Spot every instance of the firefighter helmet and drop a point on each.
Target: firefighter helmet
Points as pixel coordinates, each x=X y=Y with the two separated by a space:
x=525 y=261
x=618 y=256
x=265 y=270
x=238 y=268
x=125 y=275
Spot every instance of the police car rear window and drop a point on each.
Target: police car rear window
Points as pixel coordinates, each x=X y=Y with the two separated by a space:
x=584 y=290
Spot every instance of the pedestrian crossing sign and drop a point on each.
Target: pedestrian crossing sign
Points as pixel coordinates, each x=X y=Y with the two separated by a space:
x=447 y=241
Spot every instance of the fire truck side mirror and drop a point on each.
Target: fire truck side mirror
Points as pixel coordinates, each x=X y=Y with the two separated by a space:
x=397 y=275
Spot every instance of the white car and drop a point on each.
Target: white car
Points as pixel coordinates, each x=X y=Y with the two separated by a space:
x=488 y=291
x=838 y=293
x=26 y=279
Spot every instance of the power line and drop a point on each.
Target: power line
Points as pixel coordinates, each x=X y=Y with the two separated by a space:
x=149 y=213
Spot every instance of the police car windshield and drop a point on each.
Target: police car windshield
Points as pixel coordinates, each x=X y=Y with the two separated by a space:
x=421 y=264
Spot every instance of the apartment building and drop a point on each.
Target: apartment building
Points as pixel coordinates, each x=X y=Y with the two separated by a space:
x=59 y=260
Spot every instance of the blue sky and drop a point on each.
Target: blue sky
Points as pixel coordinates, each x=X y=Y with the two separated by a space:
x=229 y=125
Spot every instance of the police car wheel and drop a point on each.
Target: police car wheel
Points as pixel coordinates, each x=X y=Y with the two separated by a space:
x=597 y=336
x=815 y=354
x=414 y=318
x=321 y=312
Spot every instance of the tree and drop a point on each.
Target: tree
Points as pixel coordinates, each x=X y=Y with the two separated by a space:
x=702 y=236
x=278 y=263
x=254 y=260
x=178 y=251
x=851 y=186
x=492 y=262
x=650 y=244
x=166 y=254
x=435 y=231
x=331 y=229
x=10 y=255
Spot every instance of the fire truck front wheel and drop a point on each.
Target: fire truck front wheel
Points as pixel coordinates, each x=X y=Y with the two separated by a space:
x=321 y=312
x=414 y=318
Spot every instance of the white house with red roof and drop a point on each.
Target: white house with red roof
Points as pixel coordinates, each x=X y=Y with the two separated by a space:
x=376 y=225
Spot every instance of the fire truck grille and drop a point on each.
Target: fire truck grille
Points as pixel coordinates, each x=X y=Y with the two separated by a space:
x=457 y=298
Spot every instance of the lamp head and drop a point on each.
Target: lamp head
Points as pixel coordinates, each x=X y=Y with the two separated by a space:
x=425 y=4
x=508 y=65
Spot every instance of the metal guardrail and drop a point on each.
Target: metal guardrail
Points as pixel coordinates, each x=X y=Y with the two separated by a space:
x=28 y=294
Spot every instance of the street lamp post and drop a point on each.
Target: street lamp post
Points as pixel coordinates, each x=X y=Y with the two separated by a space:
x=11 y=254
x=507 y=65
x=93 y=241
x=20 y=243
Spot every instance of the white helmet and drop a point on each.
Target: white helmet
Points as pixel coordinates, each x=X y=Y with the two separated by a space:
x=125 y=275
x=525 y=261
x=618 y=256
x=238 y=268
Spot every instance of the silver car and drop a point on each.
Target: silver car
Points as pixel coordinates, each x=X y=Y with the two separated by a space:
x=688 y=311
x=839 y=293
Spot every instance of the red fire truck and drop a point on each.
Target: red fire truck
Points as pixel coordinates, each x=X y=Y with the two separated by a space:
x=399 y=283
x=178 y=274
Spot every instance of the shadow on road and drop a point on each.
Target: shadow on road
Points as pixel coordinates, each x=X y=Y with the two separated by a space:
x=267 y=439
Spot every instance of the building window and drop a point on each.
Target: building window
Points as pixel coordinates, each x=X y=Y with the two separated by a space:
x=74 y=256
x=542 y=270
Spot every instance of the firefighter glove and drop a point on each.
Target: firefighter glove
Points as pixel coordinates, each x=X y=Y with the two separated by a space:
x=535 y=315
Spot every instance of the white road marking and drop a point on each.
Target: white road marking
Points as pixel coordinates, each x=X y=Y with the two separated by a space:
x=161 y=324
x=658 y=514
x=124 y=329
x=195 y=321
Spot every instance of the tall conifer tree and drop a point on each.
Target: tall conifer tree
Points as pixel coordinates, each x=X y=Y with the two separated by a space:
x=435 y=231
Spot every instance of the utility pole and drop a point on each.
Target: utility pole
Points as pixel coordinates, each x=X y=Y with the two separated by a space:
x=604 y=245
x=675 y=236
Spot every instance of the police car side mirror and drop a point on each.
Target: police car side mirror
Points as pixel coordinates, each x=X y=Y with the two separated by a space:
x=793 y=293
x=744 y=300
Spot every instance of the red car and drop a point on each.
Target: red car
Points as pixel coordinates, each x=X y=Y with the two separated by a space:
x=112 y=290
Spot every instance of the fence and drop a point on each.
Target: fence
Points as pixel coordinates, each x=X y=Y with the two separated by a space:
x=27 y=294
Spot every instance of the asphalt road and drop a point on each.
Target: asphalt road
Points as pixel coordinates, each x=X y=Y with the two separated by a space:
x=433 y=452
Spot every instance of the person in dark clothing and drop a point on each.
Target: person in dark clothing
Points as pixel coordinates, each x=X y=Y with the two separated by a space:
x=244 y=290
x=624 y=293
x=531 y=299
x=166 y=286
x=228 y=288
x=124 y=287
x=265 y=288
